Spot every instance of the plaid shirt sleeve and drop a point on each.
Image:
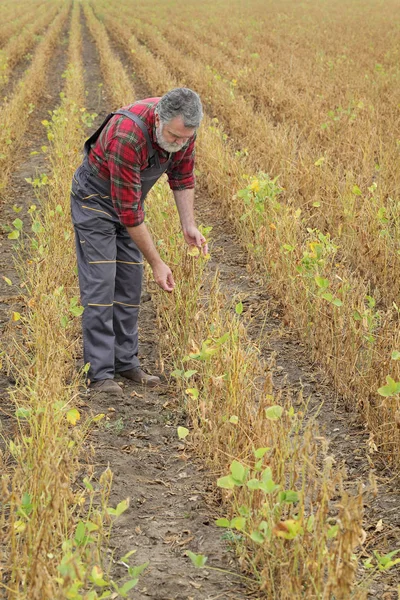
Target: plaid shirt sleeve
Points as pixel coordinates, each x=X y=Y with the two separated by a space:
x=181 y=172
x=124 y=156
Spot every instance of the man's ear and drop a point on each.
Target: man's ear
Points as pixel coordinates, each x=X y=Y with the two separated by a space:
x=157 y=120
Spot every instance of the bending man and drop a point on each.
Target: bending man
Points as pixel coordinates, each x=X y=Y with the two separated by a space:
x=123 y=159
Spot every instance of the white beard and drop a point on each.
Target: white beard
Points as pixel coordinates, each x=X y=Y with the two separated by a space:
x=175 y=147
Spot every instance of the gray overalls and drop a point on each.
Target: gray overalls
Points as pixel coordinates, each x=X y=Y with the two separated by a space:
x=110 y=266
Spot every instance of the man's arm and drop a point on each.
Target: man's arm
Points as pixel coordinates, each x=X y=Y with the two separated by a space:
x=161 y=272
x=184 y=200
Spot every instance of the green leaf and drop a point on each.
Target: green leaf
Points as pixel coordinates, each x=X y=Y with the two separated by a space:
x=391 y=389
x=327 y=296
x=222 y=523
x=239 y=472
x=14 y=235
x=337 y=302
x=23 y=413
x=177 y=373
x=260 y=452
x=268 y=487
x=135 y=572
x=121 y=507
x=80 y=533
x=356 y=190
x=189 y=373
x=274 y=413
x=128 y=555
x=73 y=415
x=18 y=224
x=257 y=537
x=321 y=282
x=7 y=280
x=267 y=474
x=226 y=483
x=123 y=591
x=332 y=531
x=288 y=496
x=199 y=560
x=76 y=311
x=253 y=484
x=96 y=577
x=395 y=355
x=239 y=308
x=64 y=321
x=288 y=247
x=238 y=523
x=183 y=432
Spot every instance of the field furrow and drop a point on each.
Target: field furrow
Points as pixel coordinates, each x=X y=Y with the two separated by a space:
x=8 y=30
x=20 y=44
x=14 y=114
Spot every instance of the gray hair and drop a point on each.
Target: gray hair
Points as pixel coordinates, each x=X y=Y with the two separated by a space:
x=181 y=102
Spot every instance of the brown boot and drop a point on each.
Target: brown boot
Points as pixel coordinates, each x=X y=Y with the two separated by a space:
x=106 y=386
x=138 y=376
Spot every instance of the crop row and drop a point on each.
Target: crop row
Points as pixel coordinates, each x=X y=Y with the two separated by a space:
x=54 y=520
x=18 y=45
x=15 y=112
x=216 y=367
x=19 y=19
x=324 y=300
x=321 y=181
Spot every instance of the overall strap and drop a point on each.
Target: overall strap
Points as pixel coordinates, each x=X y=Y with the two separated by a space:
x=93 y=138
x=136 y=119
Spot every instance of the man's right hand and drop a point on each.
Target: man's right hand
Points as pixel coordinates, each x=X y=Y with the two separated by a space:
x=163 y=276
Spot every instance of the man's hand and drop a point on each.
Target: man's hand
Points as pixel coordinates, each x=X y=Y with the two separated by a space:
x=163 y=276
x=193 y=237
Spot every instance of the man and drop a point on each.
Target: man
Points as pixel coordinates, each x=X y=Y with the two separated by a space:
x=123 y=159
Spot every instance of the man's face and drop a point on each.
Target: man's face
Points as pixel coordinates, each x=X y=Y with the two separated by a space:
x=173 y=135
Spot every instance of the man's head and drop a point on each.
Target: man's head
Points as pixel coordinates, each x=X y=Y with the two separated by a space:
x=178 y=115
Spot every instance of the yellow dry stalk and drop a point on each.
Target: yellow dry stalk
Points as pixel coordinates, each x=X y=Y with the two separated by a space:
x=323 y=328
x=14 y=114
x=186 y=321
x=24 y=41
x=270 y=142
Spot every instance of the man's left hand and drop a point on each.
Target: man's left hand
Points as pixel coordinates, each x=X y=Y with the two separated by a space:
x=193 y=237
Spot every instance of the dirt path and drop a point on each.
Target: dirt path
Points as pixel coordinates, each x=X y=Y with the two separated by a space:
x=348 y=438
x=171 y=507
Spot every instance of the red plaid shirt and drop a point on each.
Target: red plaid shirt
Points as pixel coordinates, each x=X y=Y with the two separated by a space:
x=120 y=153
